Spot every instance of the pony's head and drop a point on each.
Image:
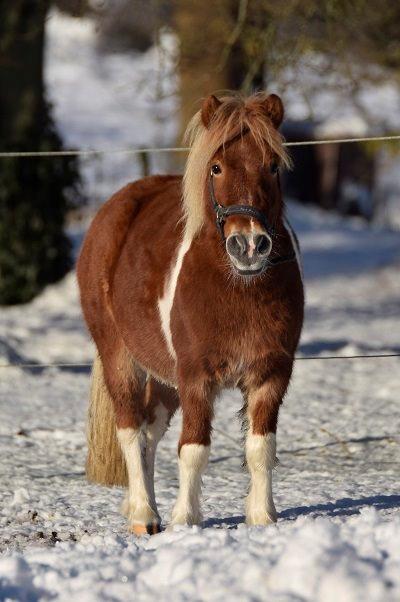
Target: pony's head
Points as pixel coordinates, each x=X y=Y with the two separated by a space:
x=234 y=160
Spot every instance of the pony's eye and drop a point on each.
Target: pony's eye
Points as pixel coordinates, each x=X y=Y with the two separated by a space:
x=215 y=169
x=274 y=168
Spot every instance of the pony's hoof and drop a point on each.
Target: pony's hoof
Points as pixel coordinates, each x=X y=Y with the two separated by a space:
x=185 y=519
x=272 y=515
x=140 y=529
x=143 y=520
x=261 y=519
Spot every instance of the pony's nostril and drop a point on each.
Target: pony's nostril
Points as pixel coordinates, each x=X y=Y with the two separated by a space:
x=262 y=244
x=236 y=245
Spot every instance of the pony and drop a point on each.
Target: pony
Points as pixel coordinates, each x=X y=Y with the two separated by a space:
x=188 y=286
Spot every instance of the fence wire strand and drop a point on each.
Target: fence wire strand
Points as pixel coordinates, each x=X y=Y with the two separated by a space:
x=178 y=149
x=37 y=366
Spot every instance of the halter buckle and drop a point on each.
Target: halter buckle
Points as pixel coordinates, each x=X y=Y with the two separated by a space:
x=220 y=214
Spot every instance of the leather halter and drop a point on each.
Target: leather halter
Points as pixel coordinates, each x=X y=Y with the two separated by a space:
x=222 y=213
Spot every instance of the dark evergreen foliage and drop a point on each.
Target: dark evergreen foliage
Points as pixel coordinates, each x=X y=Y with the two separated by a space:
x=35 y=193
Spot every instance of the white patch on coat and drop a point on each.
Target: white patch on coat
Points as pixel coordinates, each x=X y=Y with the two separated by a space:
x=261 y=459
x=166 y=301
x=296 y=247
x=193 y=459
x=138 y=504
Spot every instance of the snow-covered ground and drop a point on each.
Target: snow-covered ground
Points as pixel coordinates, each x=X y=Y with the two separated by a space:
x=337 y=486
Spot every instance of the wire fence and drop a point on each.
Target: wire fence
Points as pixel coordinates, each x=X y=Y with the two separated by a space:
x=178 y=149
x=39 y=366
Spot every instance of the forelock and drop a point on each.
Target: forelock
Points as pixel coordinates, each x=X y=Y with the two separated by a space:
x=235 y=116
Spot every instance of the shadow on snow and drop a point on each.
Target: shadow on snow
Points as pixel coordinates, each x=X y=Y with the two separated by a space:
x=342 y=507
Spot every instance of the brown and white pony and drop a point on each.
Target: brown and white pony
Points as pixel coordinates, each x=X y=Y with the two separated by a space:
x=181 y=306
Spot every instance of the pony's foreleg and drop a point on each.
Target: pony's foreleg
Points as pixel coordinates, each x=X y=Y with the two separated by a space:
x=194 y=449
x=161 y=403
x=263 y=401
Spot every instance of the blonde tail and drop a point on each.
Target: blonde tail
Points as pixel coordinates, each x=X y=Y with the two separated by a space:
x=105 y=463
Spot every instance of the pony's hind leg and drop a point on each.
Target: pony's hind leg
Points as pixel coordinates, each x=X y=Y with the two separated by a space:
x=126 y=383
x=264 y=397
x=161 y=404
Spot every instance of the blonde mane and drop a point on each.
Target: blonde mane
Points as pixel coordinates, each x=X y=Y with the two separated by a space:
x=234 y=116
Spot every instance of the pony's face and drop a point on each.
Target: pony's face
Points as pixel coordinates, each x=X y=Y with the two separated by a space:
x=243 y=174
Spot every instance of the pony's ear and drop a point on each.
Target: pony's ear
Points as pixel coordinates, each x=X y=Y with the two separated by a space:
x=208 y=108
x=274 y=108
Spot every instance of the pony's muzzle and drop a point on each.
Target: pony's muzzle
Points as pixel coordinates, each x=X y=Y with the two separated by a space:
x=249 y=251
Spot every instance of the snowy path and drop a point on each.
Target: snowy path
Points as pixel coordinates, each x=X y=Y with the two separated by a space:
x=337 y=493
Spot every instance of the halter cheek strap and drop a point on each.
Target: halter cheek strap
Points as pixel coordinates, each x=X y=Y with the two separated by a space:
x=222 y=213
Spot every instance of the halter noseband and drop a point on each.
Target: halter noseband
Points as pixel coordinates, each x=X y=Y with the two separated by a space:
x=222 y=213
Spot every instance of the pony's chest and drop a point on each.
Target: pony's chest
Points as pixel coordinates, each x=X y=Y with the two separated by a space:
x=235 y=347
x=227 y=333
x=244 y=342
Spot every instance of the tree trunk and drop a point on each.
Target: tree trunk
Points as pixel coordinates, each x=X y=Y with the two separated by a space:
x=202 y=34
x=34 y=250
x=21 y=65
x=212 y=53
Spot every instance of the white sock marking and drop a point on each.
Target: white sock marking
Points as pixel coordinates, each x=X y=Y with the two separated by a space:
x=138 y=505
x=193 y=460
x=260 y=457
x=166 y=301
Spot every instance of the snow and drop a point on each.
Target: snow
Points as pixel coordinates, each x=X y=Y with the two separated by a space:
x=315 y=91
x=314 y=87
x=176 y=566
x=337 y=485
x=109 y=101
